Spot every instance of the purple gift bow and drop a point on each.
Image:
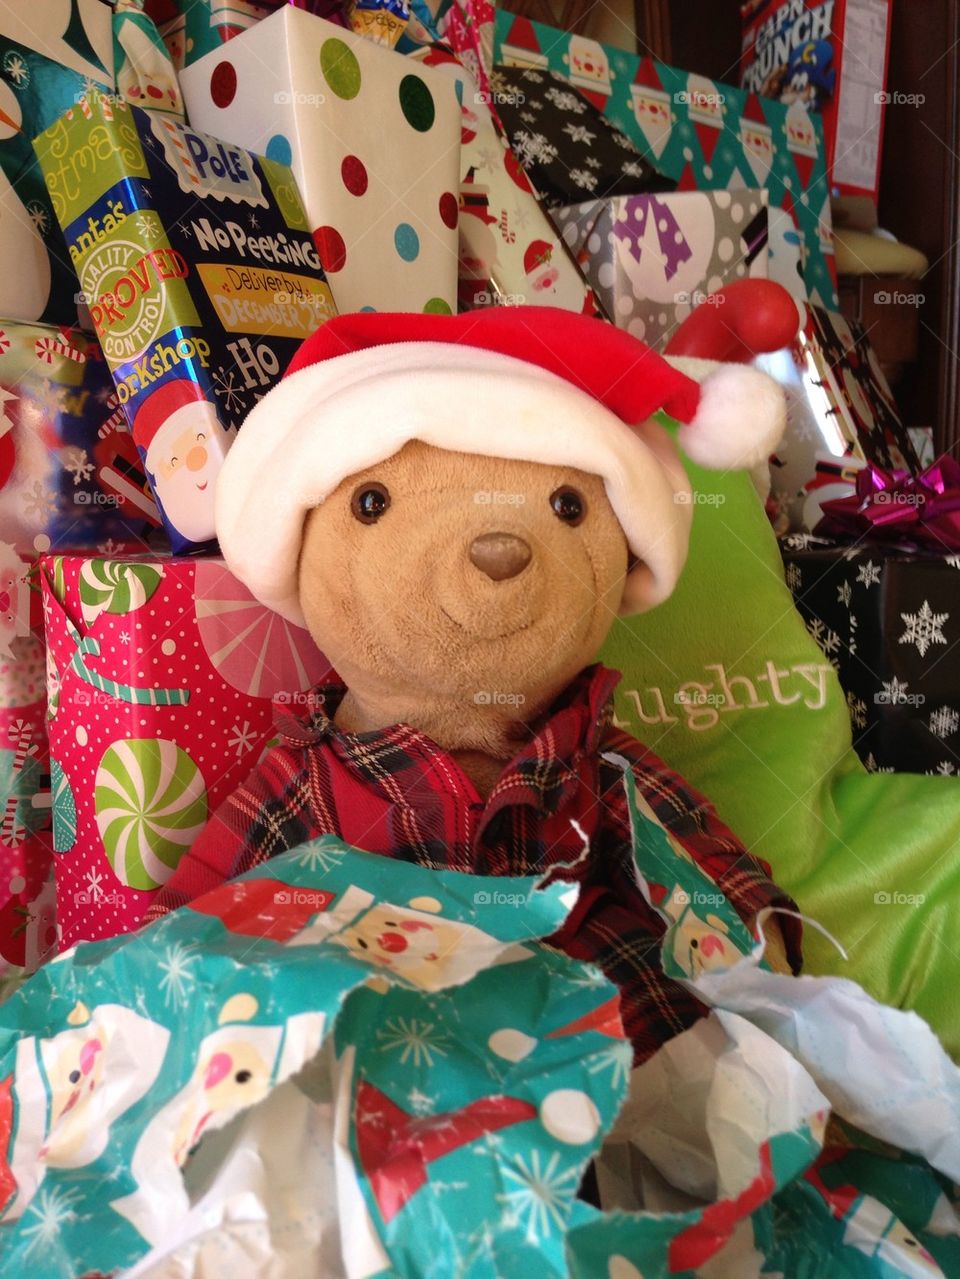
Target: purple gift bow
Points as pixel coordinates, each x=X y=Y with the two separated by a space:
x=897 y=506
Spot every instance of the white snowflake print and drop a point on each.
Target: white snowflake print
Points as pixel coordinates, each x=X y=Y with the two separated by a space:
x=419 y=1102
x=254 y=222
x=528 y=117
x=844 y=594
x=584 y=179
x=53 y=1209
x=145 y=228
x=243 y=737
x=95 y=884
x=943 y=769
x=924 y=628
x=579 y=133
x=593 y=162
x=226 y=386
x=543 y=1196
x=533 y=77
x=39 y=501
x=39 y=217
x=869 y=574
x=801 y=541
x=108 y=549
x=533 y=148
x=564 y=100
x=953 y=561
x=871 y=765
x=858 y=711
x=828 y=639
x=618 y=1059
x=851 y=553
x=178 y=981
x=944 y=722
x=124 y=637
x=622 y=141
x=318 y=856
x=489 y=159
x=632 y=169
x=895 y=692
x=77 y=463
x=16 y=68
x=419 y=1040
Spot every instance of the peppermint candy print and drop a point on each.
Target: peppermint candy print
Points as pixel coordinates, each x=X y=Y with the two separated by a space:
x=114 y=586
x=151 y=803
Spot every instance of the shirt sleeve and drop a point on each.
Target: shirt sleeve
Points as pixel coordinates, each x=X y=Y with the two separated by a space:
x=745 y=879
x=261 y=818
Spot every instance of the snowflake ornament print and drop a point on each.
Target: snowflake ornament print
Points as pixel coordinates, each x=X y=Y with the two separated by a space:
x=924 y=628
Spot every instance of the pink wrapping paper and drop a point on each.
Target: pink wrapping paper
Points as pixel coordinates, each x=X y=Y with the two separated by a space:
x=160 y=677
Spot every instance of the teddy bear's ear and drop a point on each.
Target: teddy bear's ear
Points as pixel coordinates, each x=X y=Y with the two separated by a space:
x=740 y=418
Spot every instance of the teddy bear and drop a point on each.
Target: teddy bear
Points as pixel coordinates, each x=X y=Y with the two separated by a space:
x=459 y=509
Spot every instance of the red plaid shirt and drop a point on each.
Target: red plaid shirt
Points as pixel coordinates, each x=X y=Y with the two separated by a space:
x=397 y=793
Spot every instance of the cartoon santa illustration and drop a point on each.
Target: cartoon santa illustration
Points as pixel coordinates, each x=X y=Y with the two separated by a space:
x=184 y=445
x=756 y=137
x=540 y=270
x=651 y=106
x=589 y=70
x=802 y=142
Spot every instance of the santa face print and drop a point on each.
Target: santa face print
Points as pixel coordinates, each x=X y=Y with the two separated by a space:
x=232 y=1076
x=183 y=462
x=702 y=945
x=74 y=1072
x=397 y=939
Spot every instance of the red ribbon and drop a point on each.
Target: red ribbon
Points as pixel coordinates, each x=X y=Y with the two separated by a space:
x=923 y=510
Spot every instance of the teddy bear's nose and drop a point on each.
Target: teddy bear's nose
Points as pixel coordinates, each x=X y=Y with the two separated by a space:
x=499 y=555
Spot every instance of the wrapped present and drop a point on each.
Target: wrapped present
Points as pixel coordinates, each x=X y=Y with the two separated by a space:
x=653 y=259
x=70 y=474
x=201 y=278
x=50 y=51
x=192 y=28
x=509 y=253
x=146 y=76
x=706 y=135
x=841 y=414
x=374 y=141
x=885 y=614
x=159 y=683
x=467 y=27
x=829 y=56
x=569 y=151
x=382 y=21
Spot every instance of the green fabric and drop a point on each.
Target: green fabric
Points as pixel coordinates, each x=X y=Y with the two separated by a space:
x=856 y=850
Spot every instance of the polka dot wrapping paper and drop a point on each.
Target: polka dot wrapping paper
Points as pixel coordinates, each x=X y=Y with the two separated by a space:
x=160 y=674
x=373 y=139
x=655 y=258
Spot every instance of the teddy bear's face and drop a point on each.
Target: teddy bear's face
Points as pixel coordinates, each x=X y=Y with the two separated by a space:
x=482 y=581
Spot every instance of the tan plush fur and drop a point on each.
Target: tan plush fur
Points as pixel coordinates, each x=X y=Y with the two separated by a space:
x=422 y=636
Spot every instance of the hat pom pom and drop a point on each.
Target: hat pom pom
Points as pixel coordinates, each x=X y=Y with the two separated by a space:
x=739 y=420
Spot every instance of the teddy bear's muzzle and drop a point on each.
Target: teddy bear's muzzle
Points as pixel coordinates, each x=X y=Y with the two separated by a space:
x=499 y=555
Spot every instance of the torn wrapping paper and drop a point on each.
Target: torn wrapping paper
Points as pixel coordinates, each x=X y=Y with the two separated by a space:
x=201 y=279
x=145 y=74
x=50 y=51
x=373 y=141
x=447 y=1123
x=160 y=677
x=653 y=259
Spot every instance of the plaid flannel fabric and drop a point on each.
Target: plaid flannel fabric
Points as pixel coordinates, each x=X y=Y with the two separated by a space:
x=395 y=792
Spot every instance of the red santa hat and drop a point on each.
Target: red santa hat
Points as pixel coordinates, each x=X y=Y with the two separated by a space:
x=160 y=406
x=537 y=254
x=536 y=384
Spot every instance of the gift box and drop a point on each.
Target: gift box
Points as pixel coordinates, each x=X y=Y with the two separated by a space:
x=888 y=618
x=192 y=28
x=70 y=474
x=840 y=415
x=509 y=251
x=374 y=142
x=830 y=56
x=50 y=51
x=201 y=278
x=706 y=135
x=569 y=151
x=467 y=27
x=146 y=76
x=653 y=259
x=159 y=680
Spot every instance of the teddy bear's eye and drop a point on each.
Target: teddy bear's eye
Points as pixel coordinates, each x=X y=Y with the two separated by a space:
x=369 y=502
x=568 y=505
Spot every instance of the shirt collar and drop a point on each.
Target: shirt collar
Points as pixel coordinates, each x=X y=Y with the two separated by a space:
x=540 y=774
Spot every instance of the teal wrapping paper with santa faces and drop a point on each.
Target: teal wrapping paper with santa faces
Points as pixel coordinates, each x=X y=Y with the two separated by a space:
x=350 y=1066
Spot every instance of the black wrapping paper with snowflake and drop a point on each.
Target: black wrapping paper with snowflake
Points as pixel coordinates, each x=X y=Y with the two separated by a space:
x=889 y=621
x=569 y=150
